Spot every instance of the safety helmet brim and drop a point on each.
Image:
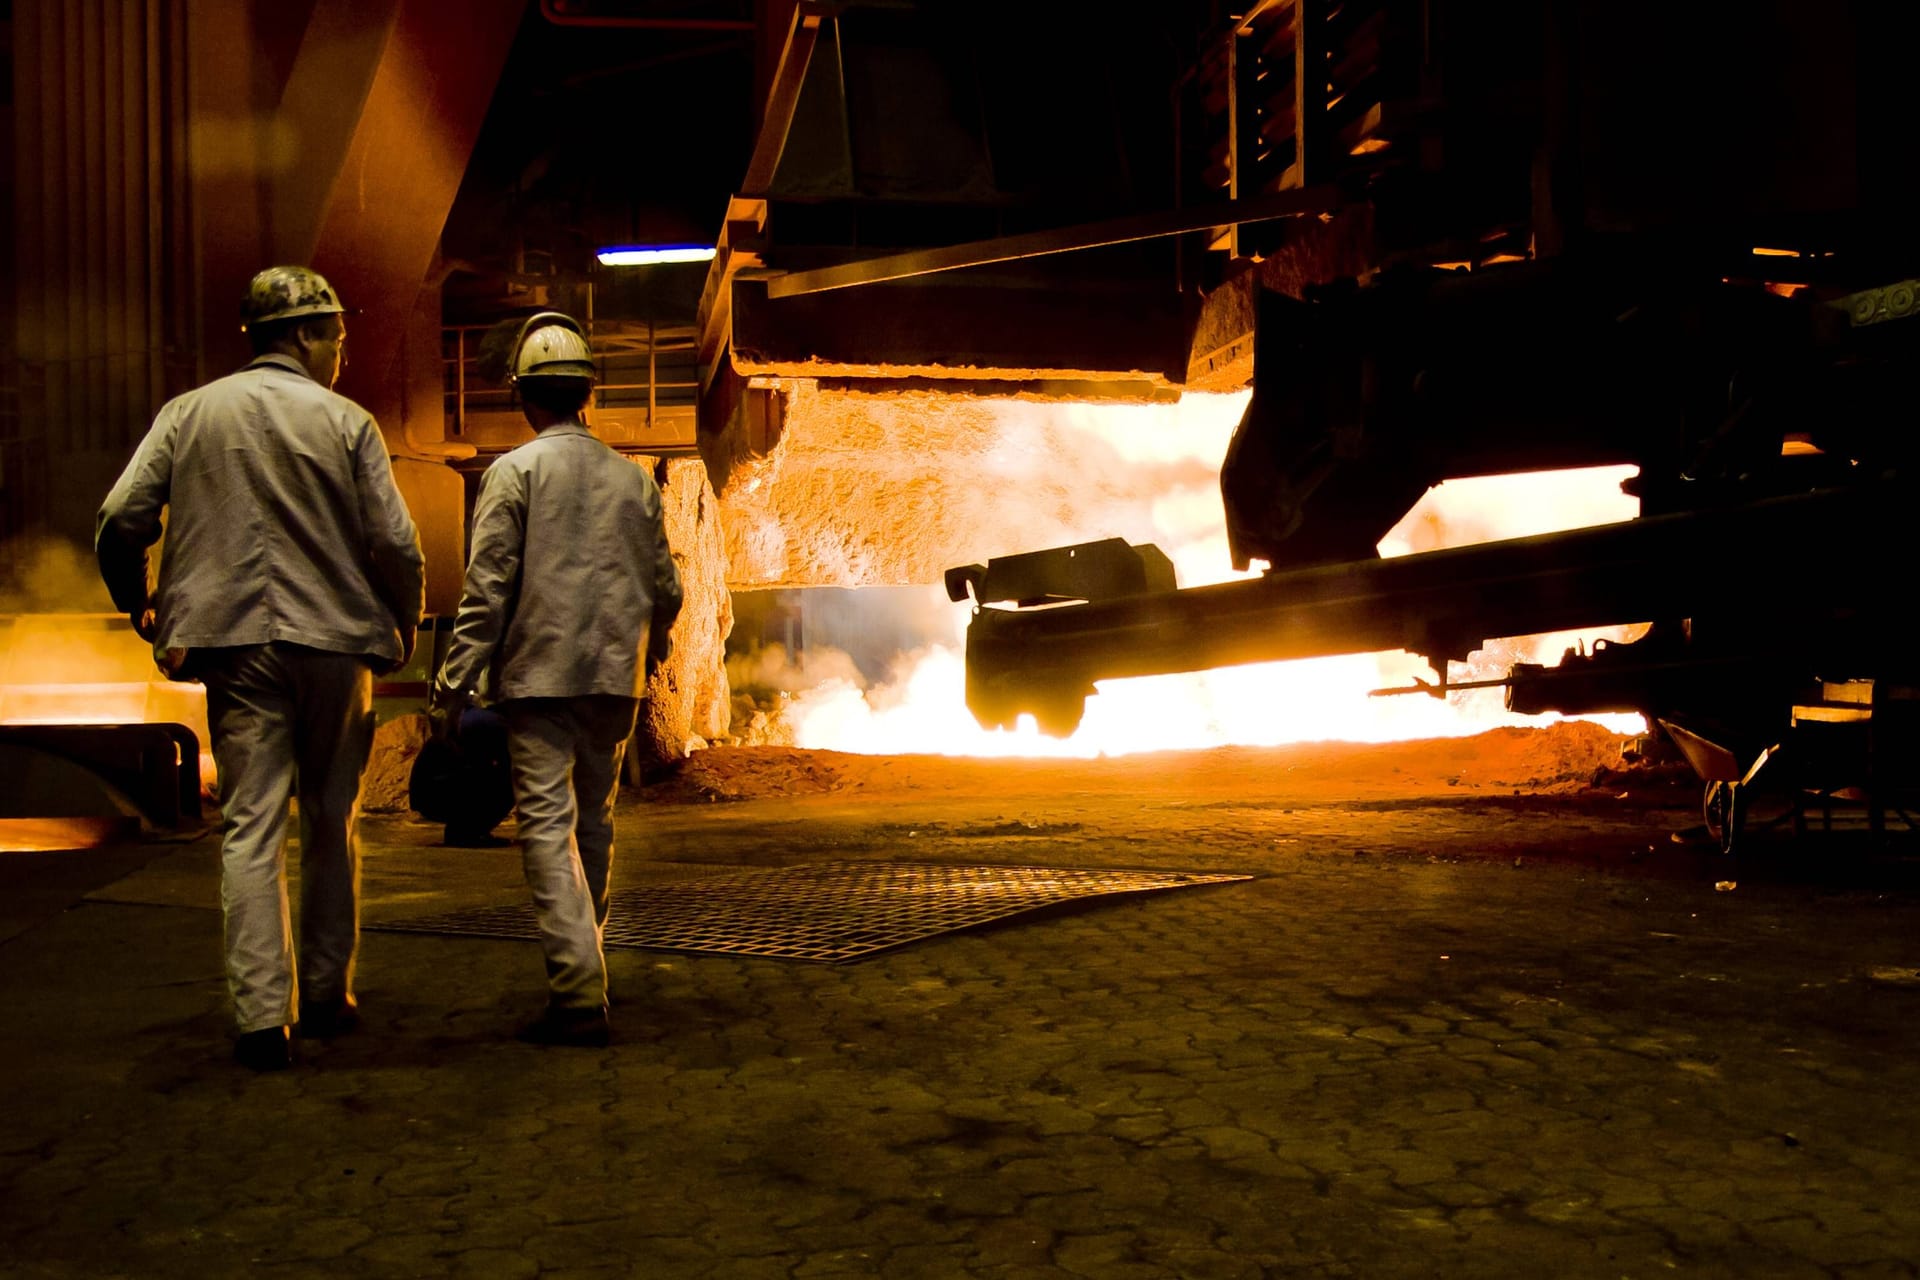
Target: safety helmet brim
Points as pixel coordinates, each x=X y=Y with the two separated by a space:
x=288 y=293
x=551 y=344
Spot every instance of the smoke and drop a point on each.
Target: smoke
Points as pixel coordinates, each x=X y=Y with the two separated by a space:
x=881 y=669
x=868 y=489
x=41 y=574
x=770 y=669
x=1143 y=472
x=792 y=653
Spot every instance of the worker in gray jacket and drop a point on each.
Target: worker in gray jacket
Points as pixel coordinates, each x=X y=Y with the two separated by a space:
x=569 y=597
x=290 y=572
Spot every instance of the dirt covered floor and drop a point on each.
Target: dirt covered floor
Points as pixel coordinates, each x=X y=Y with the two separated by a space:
x=1486 y=796
x=1474 y=1012
x=1565 y=759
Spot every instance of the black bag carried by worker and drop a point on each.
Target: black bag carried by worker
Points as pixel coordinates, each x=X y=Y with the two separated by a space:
x=465 y=781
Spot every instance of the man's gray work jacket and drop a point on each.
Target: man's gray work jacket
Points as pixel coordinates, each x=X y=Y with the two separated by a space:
x=569 y=574
x=283 y=521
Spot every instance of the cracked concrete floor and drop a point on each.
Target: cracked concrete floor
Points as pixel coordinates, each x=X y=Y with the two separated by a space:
x=1437 y=1035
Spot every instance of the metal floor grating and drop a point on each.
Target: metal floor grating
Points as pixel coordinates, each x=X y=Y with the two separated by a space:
x=836 y=911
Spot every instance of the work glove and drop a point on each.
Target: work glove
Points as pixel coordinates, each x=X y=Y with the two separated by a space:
x=445 y=706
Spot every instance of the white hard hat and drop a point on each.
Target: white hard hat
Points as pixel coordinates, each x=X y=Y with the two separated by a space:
x=552 y=345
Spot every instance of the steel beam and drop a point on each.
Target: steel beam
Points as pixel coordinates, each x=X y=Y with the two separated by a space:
x=1094 y=235
x=783 y=95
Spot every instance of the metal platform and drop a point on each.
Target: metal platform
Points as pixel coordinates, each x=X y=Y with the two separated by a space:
x=831 y=912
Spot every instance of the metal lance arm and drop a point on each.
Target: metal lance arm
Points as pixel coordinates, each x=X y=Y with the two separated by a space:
x=1787 y=581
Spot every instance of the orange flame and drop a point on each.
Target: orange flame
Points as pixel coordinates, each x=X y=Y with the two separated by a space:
x=920 y=707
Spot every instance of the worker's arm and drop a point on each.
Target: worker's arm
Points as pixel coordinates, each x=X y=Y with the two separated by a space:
x=397 y=568
x=492 y=585
x=667 y=593
x=129 y=523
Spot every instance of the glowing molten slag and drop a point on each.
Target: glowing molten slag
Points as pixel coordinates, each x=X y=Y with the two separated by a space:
x=920 y=706
x=90 y=668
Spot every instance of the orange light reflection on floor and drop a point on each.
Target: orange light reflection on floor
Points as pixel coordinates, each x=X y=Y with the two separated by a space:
x=63 y=835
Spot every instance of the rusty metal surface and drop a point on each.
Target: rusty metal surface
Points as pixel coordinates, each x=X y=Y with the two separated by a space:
x=831 y=912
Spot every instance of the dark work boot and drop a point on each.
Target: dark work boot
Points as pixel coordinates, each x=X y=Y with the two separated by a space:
x=572 y=1028
x=268 y=1049
x=326 y=1019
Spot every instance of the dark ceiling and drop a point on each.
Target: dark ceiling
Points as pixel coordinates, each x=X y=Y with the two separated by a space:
x=919 y=122
x=602 y=135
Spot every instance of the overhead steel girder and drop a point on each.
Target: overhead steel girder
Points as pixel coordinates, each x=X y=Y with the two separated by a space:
x=369 y=212
x=386 y=98
x=1036 y=244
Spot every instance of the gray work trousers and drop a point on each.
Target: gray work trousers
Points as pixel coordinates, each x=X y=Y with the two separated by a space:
x=288 y=720
x=566 y=773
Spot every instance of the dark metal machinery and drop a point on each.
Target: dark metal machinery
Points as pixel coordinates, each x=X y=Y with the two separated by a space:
x=1710 y=280
x=150 y=771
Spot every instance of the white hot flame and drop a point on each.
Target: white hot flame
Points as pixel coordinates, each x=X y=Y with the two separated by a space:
x=920 y=705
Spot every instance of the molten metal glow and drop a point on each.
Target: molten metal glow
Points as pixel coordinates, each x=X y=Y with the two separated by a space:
x=921 y=707
x=90 y=668
x=62 y=835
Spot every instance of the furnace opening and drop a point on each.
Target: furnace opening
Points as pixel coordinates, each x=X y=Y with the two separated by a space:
x=76 y=688
x=879 y=669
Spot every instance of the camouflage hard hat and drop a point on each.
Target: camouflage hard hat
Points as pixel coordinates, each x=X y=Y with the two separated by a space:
x=286 y=293
x=552 y=345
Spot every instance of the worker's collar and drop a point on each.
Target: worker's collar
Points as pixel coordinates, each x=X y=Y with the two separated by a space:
x=279 y=360
x=573 y=428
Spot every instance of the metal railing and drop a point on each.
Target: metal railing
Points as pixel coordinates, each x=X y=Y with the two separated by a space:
x=637 y=365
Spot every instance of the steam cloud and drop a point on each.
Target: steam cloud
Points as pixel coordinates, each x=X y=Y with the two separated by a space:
x=882 y=669
x=41 y=574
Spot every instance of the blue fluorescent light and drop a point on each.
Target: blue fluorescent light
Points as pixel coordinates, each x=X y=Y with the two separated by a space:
x=649 y=255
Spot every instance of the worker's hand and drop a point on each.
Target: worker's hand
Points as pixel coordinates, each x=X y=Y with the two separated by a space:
x=387 y=666
x=445 y=706
x=146 y=624
x=659 y=647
